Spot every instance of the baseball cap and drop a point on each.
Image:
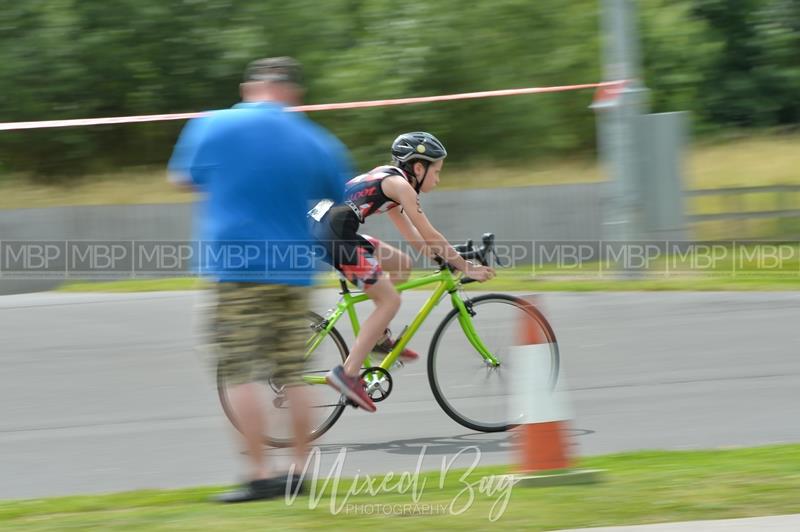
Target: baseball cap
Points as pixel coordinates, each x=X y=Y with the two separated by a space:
x=275 y=69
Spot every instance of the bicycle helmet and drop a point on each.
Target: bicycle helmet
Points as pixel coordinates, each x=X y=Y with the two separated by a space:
x=418 y=145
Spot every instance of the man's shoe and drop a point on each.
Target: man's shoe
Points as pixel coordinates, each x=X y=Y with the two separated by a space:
x=386 y=345
x=350 y=387
x=296 y=485
x=255 y=490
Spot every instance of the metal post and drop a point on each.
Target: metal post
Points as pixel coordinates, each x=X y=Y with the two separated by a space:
x=617 y=135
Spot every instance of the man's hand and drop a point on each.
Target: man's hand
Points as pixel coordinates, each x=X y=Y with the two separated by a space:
x=479 y=273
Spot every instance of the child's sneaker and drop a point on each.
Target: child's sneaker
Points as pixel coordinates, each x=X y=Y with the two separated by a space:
x=386 y=345
x=350 y=387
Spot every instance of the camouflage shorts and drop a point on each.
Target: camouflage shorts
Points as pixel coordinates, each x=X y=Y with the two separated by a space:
x=259 y=331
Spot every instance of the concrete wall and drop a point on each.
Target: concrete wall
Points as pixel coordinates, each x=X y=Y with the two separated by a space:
x=561 y=212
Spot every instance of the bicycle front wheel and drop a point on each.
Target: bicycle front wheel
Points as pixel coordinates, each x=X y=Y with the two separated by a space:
x=473 y=392
x=326 y=404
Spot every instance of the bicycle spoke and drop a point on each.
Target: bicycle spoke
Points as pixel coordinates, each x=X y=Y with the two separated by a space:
x=326 y=403
x=478 y=396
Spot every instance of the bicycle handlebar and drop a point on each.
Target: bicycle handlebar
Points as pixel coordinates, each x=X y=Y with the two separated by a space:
x=468 y=252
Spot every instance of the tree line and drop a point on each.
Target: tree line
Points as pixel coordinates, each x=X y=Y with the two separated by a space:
x=733 y=63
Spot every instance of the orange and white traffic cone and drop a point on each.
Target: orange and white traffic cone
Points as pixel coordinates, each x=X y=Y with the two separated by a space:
x=544 y=450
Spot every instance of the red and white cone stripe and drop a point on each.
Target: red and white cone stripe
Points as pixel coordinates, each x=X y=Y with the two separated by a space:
x=543 y=411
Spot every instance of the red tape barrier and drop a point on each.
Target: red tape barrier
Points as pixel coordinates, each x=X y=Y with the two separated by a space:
x=12 y=126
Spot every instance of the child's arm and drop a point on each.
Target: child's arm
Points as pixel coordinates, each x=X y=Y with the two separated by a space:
x=432 y=241
x=407 y=230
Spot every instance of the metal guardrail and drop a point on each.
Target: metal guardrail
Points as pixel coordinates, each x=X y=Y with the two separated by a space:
x=785 y=208
x=741 y=190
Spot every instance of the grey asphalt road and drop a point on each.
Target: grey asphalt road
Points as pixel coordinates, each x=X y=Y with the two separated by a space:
x=108 y=392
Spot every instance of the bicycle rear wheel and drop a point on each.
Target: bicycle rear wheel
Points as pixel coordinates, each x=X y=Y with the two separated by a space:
x=326 y=404
x=471 y=391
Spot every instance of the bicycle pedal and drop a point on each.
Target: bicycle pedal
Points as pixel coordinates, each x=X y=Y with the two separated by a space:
x=350 y=402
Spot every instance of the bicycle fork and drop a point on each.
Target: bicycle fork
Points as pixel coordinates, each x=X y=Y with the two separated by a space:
x=465 y=315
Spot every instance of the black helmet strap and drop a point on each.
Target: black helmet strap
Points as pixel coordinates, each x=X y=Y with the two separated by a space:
x=425 y=175
x=409 y=167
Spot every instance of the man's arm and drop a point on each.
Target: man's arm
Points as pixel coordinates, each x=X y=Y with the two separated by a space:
x=186 y=168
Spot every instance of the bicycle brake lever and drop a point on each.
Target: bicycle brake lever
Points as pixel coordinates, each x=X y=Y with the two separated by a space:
x=497 y=260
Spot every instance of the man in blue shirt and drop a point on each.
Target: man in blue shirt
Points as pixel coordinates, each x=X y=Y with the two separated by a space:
x=258 y=166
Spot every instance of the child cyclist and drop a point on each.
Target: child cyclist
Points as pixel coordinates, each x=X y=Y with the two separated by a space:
x=417 y=159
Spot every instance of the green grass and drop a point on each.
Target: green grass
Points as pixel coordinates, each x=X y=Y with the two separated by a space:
x=136 y=285
x=641 y=487
x=131 y=186
x=501 y=283
x=745 y=161
x=720 y=268
x=755 y=160
x=649 y=285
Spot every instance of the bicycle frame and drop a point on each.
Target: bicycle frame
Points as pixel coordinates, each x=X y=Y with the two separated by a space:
x=447 y=283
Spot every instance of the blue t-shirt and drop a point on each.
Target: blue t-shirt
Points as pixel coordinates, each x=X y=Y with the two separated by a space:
x=258 y=166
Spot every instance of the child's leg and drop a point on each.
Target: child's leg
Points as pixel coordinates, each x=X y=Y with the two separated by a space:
x=387 y=303
x=393 y=261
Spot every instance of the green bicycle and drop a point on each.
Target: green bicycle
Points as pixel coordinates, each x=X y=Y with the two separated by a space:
x=468 y=364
